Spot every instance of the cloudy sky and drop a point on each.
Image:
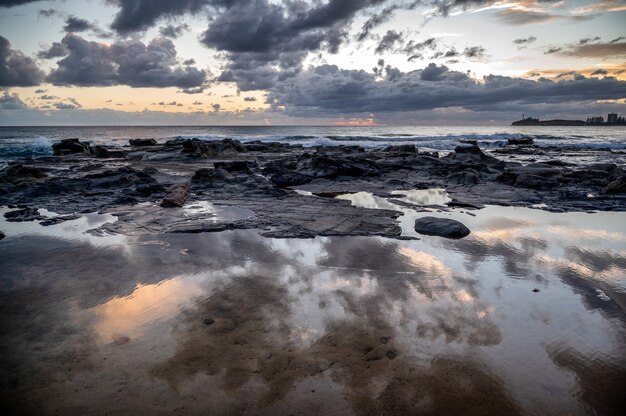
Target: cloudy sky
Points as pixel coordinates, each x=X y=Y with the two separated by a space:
x=390 y=62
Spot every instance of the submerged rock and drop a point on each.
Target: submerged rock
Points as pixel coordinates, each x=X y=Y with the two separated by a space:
x=69 y=146
x=176 y=196
x=443 y=227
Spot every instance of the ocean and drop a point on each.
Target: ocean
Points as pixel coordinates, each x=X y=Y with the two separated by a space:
x=20 y=142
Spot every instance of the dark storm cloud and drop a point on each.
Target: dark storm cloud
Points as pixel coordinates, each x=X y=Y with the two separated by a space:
x=10 y=101
x=172 y=31
x=330 y=90
x=17 y=69
x=136 y=15
x=130 y=62
x=11 y=3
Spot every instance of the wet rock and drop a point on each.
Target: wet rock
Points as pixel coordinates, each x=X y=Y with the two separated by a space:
x=146 y=190
x=143 y=142
x=69 y=146
x=119 y=178
x=59 y=220
x=203 y=175
x=616 y=187
x=25 y=214
x=474 y=158
x=17 y=174
x=522 y=141
x=443 y=227
x=176 y=196
x=285 y=179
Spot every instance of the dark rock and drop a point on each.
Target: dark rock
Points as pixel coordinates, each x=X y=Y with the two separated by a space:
x=472 y=142
x=616 y=187
x=143 y=142
x=209 y=321
x=149 y=189
x=522 y=141
x=401 y=148
x=59 y=220
x=1 y=235
x=236 y=166
x=25 y=214
x=464 y=177
x=474 y=158
x=285 y=179
x=69 y=146
x=326 y=166
x=17 y=174
x=209 y=148
x=443 y=227
x=119 y=178
x=176 y=196
x=203 y=175
x=103 y=152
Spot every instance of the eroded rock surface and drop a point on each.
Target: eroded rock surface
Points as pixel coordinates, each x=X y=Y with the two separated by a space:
x=253 y=184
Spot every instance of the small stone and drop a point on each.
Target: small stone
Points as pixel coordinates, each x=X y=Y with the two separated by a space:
x=208 y=321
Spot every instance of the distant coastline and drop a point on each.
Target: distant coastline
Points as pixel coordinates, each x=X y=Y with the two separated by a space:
x=612 y=120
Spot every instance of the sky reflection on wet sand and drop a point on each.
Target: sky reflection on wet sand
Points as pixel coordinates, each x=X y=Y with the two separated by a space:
x=236 y=323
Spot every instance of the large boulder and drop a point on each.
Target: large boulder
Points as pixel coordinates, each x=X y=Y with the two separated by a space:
x=443 y=227
x=70 y=146
x=473 y=157
x=326 y=166
x=176 y=196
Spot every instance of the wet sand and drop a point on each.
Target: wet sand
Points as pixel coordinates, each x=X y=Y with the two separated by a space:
x=526 y=315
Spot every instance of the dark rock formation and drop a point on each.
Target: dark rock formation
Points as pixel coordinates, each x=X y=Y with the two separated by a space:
x=522 y=141
x=285 y=179
x=69 y=146
x=402 y=148
x=443 y=227
x=1 y=235
x=17 y=174
x=616 y=187
x=204 y=149
x=143 y=142
x=25 y=214
x=176 y=196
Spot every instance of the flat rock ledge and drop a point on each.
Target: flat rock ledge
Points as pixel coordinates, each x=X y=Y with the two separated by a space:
x=442 y=227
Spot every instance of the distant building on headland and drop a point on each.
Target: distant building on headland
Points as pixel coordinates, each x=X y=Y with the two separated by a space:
x=612 y=120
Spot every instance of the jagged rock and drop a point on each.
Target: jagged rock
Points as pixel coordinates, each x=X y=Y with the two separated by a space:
x=25 y=214
x=142 y=142
x=210 y=148
x=176 y=196
x=616 y=187
x=69 y=146
x=285 y=179
x=473 y=157
x=522 y=141
x=443 y=227
x=326 y=166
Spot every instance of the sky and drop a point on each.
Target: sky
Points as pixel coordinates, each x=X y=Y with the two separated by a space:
x=309 y=62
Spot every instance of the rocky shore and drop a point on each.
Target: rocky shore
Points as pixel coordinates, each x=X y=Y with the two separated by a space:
x=260 y=185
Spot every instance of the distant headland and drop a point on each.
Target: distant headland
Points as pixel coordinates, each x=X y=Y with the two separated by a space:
x=612 y=120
